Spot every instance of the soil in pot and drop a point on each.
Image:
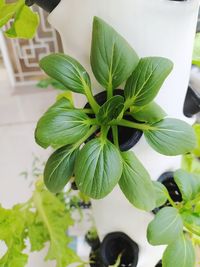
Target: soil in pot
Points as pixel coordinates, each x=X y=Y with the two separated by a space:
x=128 y=137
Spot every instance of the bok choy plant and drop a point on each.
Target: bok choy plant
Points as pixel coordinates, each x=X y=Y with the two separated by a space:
x=178 y=225
x=100 y=165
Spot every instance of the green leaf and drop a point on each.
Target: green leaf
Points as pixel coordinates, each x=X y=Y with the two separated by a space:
x=25 y=24
x=188 y=184
x=146 y=80
x=180 y=254
x=196 y=151
x=67 y=71
x=98 y=168
x=7 y=12
x=192 y=219
x=111 y=109
x=59 y=168
x=12 y=225
x=112 y=58
x=171 y=137
x=150 y=113
x=136 y=183
x=165 y=228
x=161 y=193
x=196 y=51
x=61 y=125
x=51 y=212
x=191 y=164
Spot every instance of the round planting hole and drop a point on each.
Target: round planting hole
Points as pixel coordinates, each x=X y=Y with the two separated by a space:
x=167 y=179
x=116 y=244
x=128 y=137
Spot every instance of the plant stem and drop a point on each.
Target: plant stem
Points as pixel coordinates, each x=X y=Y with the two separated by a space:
x=104 y=132
x=191 y=229
x=126 y=123
x=86 y=110
x=82 y=140
x=91 y=99
x=115 y=136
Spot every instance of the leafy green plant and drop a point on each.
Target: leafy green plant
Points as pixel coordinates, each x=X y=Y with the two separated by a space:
x=100 y=165
x=178 y=225
x=45 y=218
x=25 y=21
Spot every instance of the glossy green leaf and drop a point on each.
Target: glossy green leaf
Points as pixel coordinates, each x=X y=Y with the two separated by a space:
x=25 y=24
x=180 y=254
x=136 y=183
x=171 y=137
x=188 y=184
x=111 y=109
x=165 y=228
x=59 y=168
x=191 y=164
x=150 y=113
x=112 y=58
x=146 y=80
x=67 y=71
x=98 y=168
x=61 y=125
x=161 y=193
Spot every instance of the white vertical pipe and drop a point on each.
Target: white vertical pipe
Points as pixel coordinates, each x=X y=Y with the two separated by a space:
x=154 y=28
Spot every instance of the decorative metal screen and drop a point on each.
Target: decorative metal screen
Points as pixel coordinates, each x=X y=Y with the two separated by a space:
x=24 y=55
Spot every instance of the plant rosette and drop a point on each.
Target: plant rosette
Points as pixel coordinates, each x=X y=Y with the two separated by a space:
x=99 y=165
x=178 y=225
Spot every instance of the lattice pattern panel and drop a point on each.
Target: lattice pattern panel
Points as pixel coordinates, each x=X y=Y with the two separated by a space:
x=25 y=54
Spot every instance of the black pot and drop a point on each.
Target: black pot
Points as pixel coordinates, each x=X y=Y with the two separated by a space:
x=167 y=179
x=47 y=5
x=117 y=243
x=128 y=137
x=159 y=264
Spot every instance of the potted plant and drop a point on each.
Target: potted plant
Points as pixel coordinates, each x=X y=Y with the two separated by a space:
x=178 y=225
x=101 y=163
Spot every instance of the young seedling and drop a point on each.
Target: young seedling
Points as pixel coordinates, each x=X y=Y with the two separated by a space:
x=100 y=165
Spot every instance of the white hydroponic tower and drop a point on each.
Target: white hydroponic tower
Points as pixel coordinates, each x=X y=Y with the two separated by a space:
x=154 y=28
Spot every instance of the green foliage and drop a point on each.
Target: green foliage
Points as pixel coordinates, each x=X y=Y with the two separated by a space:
x=94 y=176
x=180 y=253
x=100 y=165
x=146 y=80
x=196 y=51
x=43 y=219
x=112 y=58
x=173 y=226
x=25 y=20
x=136 y=183
x=170 y=137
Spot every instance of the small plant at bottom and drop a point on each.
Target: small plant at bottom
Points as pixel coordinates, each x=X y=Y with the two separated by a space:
x=43 y=219
x=178 y=226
